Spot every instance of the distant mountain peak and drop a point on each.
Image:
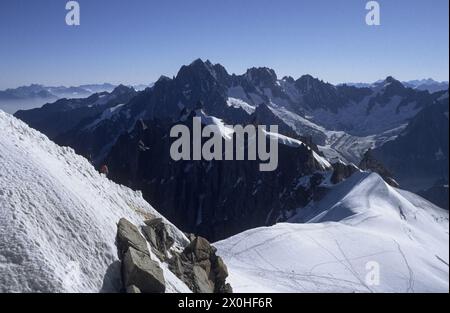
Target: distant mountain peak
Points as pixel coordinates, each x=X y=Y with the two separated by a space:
x=390 y=83
x=307 y=78
x=198 y=68
x=262 y=76
x=163 y=78
x=307 y=83
x=427 y=84
x=199 y=61
x=199 y=64
x=288 y=79
x=122 y=89
x=390 y=79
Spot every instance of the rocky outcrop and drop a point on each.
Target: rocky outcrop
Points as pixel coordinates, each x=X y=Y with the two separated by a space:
x=141 y=271
x=200 y=268
x=370 y=163
x=155 y=231
x=342 y=171
x=128 y=235
x=133 y=289
x=197 y=265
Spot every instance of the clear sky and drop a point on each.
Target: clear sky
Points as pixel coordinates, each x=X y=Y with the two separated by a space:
x=136 y=41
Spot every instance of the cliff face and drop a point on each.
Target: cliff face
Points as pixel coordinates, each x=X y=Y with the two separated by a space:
x=418 y=157
x=214 y=199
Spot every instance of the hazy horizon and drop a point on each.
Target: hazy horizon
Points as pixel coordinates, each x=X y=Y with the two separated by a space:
x=174 y=74
x=138 y=41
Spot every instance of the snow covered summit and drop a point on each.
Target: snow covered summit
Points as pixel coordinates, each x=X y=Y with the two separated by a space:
x=58 y=217
x=363 y=227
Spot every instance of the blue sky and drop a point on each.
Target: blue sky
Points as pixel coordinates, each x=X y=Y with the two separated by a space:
x=136 y=41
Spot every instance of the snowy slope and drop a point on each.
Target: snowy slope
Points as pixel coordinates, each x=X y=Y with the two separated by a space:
x=323 y=126
x=58 y=217
x=336 y=144
x=361 y=221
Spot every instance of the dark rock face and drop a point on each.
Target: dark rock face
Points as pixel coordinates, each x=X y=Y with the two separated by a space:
x=156 y=233
x=342 y=172
x=128 y=235
x=199 y=249
x=438 y=194
x=419 y=156
x=214 y=199
x=318 y=94
x=201 y=282
x=200 y=268
x=141 y=271
x=198 y=265
x=55 y=119
x=394 y=88
x=370 y=163
x=133 y=289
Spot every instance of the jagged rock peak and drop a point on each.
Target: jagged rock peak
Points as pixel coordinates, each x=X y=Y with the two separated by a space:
x=262 y=76
x=391 y=82
x=200 y=69
x=288 y=79
x=390 y=79
x=308 y=81
x=163 y=78
x=122 y=89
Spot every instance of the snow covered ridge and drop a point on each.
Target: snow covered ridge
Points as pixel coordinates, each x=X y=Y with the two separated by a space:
x=364 y=236
x=257 y=142
x=59 y=216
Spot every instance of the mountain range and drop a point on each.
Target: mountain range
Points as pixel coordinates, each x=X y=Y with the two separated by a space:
x=64 y=225
x=428 y=84
x=326 y=131
x=48 y=92
x=35 y=95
